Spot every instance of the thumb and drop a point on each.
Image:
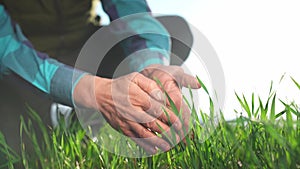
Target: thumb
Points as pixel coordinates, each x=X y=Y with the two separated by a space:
x=187 y=80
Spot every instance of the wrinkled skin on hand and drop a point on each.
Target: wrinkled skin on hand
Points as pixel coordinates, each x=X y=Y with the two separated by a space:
x=172 y=79
x=134 y=105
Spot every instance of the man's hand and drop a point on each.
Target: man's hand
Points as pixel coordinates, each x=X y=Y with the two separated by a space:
x=172 y=79
x=133 y=105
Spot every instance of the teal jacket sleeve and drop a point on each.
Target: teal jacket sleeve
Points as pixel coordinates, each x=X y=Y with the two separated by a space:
x=18 y=55
x=151 y=41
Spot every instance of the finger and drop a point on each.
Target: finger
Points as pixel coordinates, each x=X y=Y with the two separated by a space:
x=181 y=106
x=187 y=80
x=149 y=148
x=149 y=86
x=186 y=116
x=163 y=129
x=182 y=78
x=156 y=110
x=153 y=124
x=183 y=110
x=170 y=118
x=141 y=99
x=137 y=114
x=176 y=96
x=150 y=137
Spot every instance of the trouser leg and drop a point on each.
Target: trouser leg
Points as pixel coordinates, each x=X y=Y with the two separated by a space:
x=16 y=95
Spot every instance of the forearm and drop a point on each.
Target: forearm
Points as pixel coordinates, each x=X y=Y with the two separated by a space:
x=150 y=43
x=18 y=55
x=84 y=92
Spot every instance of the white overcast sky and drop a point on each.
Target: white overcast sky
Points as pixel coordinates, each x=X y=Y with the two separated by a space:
x=257 y=41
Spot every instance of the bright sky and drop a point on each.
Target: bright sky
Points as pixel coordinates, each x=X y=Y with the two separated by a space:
x=257 y=41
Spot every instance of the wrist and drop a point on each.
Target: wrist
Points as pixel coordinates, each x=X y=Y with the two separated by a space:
x=102 y=92
x=86 y=93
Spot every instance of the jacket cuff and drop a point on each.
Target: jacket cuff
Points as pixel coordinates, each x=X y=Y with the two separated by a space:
x=63 y=83
x=143 y=58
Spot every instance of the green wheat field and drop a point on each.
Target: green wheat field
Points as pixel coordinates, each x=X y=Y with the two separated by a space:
x=267 y=137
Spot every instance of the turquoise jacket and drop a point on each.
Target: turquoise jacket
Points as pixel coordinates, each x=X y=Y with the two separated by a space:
x=18 y=55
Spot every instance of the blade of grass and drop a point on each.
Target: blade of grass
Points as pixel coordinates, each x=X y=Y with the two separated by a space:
x=202 y=85
x=296 y=83
x=244 y=104
x=9 y=153
x=252 y=104
x=263 y=112
x=272 y=113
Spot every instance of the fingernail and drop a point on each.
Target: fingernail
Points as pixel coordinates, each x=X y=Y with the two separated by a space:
x=165 y=146
x=199 y=85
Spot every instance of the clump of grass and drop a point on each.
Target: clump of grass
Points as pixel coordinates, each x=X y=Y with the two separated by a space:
x=7 y=156
x=262 y=139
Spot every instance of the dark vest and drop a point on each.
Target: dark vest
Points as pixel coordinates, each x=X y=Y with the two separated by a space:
x=53 y=25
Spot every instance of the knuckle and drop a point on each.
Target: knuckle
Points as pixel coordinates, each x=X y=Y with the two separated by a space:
x=177 y=69
x=150 y=125
x=155 y=109
x=143 y=132
x=177 y=124
x=151 y=85
x=154 y=112
x=135 y=75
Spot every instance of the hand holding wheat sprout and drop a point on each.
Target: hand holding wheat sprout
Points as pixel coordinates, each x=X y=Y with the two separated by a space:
x=134 y=105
